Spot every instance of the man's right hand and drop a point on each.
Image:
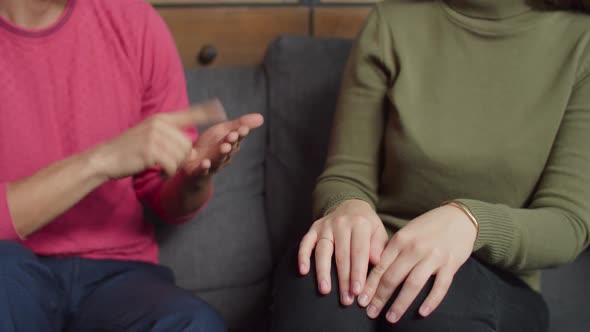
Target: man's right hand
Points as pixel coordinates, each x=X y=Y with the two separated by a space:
x=356 y=236
x=157 y=141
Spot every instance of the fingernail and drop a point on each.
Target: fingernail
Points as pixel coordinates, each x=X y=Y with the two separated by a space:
x=363 y=300
x=349 y=298
x=302 y=268
x=344 y=298
x=324 y=286
x=391 y=317
x=356 y=287
x=425 y=310
x=372 y=311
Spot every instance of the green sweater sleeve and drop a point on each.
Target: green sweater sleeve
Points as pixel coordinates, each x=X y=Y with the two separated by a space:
x=352 y=165
x=559 y=212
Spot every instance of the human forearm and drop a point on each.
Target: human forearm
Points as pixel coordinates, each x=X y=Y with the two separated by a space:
x=353 y=162
x=180 y=198
x=554 y=228
x=35 y=201
x=352 y=165
x=527 y=239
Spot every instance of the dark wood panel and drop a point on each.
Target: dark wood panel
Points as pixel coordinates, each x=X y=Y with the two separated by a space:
x=346 y=1
x=340 y=22
x=218 y=2
x=238 y=35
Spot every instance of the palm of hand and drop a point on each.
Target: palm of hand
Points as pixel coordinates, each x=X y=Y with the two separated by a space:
x=208 y=146
x=218 y=143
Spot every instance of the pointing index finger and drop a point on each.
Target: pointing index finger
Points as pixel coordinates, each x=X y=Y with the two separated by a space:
x=200 y=115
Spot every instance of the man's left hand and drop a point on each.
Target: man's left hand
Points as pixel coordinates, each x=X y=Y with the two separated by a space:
x=215 y=148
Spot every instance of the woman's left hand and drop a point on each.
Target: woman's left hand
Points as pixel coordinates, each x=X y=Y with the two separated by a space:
x=437 y=243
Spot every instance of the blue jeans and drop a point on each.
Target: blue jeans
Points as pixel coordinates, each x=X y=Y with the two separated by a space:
x=82 y=295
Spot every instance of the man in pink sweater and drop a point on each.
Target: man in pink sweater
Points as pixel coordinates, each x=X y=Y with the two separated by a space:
x=91 y=127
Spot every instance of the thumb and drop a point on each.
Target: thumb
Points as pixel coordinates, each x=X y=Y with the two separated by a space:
x=198 y=115
x=378 y=243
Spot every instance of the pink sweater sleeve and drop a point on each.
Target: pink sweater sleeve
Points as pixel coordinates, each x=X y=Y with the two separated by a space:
x=7 y=231
x=164 y=91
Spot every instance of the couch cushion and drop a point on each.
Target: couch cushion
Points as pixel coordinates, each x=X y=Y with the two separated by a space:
x=226 y=246
x=304 y=77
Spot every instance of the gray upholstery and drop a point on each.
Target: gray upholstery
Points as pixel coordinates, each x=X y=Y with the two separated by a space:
x=303 y=82
x=224 y=254
x=262 y=201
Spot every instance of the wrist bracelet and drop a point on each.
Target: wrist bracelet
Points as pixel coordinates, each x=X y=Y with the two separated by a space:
x=467 y=212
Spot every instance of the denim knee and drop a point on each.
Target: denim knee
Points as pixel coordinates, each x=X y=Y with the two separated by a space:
x=190 y=315
x=205 y=318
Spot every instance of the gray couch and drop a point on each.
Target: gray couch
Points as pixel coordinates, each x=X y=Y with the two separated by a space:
x=261 y=202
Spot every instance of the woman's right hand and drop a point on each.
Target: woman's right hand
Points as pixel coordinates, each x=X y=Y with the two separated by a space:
x=356 y=236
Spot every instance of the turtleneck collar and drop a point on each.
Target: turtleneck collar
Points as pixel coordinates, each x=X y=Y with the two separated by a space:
x=490 y=9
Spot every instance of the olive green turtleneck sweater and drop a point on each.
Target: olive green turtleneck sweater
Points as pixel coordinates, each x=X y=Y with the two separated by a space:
x=484 y=101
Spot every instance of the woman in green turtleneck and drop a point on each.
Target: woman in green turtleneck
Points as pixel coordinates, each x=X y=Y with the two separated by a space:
x=463 y=130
